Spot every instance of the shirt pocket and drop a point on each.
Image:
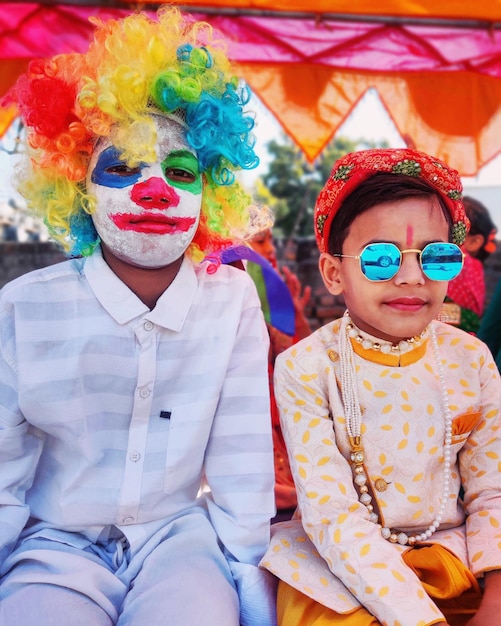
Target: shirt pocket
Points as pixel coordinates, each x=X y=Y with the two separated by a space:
x=462 y=425
x=189 y=431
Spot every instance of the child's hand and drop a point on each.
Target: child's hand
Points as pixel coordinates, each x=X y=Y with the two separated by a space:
x=487 y=615
x=483 y=618
x=490 y=606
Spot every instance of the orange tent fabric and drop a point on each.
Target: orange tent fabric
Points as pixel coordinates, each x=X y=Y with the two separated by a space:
x=462 y=9
x=436 y=66
x=463 y=125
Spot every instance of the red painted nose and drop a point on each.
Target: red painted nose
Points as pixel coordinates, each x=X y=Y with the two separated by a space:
x=154 y=193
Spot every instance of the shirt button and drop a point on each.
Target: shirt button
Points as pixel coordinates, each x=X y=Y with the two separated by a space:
x=381 y=484
x=144 y=393
x=134 y=456
x=148 y=325
x=128 y=520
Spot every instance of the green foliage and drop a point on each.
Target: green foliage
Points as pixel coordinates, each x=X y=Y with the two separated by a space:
x=291 y=185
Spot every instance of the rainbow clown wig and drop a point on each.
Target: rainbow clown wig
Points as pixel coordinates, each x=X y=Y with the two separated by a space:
x=135 y=67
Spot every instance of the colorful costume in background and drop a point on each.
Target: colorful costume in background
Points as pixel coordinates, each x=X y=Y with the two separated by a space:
x=465 y=300
x=279 y=315
x=135 y=445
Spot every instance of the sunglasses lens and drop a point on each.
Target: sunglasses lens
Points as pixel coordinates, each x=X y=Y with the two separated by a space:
x=380 y=261
x=441 y=261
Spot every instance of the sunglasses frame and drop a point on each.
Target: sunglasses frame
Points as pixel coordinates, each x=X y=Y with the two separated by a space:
x=401 y=253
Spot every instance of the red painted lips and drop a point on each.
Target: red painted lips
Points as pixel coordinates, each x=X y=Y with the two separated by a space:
x=156 y=223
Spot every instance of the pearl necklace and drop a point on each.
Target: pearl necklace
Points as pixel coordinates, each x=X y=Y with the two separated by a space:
x=384 y=347
x=353 y=414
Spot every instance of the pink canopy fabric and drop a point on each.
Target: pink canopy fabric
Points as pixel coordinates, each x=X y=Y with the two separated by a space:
x=440 y=84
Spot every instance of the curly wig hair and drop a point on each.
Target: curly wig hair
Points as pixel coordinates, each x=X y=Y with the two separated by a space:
x=135 y=67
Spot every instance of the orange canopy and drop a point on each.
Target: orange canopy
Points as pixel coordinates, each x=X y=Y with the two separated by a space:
x=435 y=65
x=444 y=9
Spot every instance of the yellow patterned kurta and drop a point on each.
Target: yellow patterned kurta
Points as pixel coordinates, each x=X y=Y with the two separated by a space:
x=334 y=554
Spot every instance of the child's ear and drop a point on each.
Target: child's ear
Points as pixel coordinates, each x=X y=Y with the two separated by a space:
x=330 y=269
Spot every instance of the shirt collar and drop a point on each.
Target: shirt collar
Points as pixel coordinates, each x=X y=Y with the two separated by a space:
x=124 y=306
x=173 y=306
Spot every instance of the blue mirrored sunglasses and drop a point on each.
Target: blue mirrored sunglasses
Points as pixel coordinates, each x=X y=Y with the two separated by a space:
x=381 y=261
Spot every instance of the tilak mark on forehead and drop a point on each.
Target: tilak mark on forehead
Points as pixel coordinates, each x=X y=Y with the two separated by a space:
x=410 y=235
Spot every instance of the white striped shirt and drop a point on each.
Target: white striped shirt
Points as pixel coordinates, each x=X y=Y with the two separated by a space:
x=112 y=414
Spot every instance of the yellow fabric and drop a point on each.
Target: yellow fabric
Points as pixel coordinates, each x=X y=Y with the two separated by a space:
x=464 y=424
x=296 y=609
x=444 y=577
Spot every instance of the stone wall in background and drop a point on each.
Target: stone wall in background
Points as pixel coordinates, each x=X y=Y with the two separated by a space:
x=17 y=258
x=301 y=256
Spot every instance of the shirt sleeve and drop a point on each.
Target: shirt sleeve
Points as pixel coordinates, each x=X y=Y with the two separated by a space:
x=239 y=465
x=335 y=521
x=20 y=445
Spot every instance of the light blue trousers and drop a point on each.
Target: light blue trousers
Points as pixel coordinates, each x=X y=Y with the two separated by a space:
x=181 y=579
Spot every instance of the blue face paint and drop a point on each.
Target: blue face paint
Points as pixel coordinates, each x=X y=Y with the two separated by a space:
x=112 y=171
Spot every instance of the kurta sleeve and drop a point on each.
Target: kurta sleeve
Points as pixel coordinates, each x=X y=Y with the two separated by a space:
x=337 y=524
x=239 y=465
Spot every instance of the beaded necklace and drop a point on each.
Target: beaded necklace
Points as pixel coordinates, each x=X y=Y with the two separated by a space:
x=353 y=415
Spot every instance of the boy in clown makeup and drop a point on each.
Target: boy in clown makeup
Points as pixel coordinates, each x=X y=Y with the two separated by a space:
x=391 y=418
x=136 y=476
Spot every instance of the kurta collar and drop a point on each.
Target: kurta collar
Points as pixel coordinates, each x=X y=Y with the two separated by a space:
x=392 y=360
x=405 y=354
x=124 y=306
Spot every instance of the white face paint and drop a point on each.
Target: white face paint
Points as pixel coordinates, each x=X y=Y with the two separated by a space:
x=147 y=216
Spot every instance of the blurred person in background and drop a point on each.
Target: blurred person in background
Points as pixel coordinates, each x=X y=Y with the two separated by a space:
x=261 y=240
x=465 y=301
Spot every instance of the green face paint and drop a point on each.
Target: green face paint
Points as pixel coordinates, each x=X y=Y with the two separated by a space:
x=181 y=169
